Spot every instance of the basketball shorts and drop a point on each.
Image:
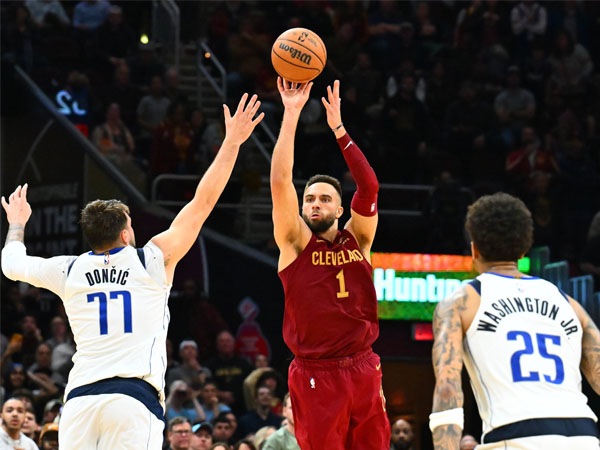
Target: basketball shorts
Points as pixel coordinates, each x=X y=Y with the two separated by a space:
x=339 y=403
x=550 y=442
x=110 y=421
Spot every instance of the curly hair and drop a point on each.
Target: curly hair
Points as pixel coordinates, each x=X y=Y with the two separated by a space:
x=102 y=221
x=500 y=226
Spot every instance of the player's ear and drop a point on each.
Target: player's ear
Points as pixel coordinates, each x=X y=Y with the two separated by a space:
x=474 y=251
x=339 y=212
x=125 y=236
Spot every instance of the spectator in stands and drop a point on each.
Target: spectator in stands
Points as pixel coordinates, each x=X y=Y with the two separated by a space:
x=115 y=41
x=384 y=35
x=151 y=112
x=244 y=444
x=229 y=371
x=569 y=62
x=178 y=403
x=115 y=142
x=190 y=369
x=13 y=418
x=342 y=50
x=124 y=93
x=90 y=14
x=234 y=430
x=32 y=337
x=428 y=31
x=171 y=144
x=173 y=89
x=590 y=258
x=262 y=435
x=528 y=20
x=26 y=396
x=221 y=429
x=49 y=437
x=369 y=80
x=42 y=10
x=468 y=442
x=144 y=66
x=261 y=415
x=514 y=106
x=179 y=433
x=210 y=401
x=261 y=361
x=58 y=331
x=31 y=428
x=202 y=437
x=206 y=141
x=284 y=438
x=402 y=436
x=15 y=378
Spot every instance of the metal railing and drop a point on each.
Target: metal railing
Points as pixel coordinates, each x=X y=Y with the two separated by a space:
x=166 y=26
x=204 y=54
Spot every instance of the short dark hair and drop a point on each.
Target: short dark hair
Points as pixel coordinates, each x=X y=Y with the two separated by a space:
x=178 y=421
x=325 y=179
x=102 y=221
x=221 y=418
x=500 y=226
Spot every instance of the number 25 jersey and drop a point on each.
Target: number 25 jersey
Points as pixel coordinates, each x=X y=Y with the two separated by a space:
x=330 y=300
x=523 y=351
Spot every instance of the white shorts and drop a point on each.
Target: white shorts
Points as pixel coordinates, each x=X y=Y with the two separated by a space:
x=108 y=422
x=546 y=442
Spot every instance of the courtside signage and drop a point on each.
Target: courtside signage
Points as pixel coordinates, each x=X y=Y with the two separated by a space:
x=409 y=285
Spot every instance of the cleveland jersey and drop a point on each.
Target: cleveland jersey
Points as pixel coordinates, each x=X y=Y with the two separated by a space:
x=523 y=351
x=330 y=300
x=116 y=304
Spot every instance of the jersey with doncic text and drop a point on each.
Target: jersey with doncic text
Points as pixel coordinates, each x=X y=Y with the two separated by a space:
x=523 y=351
x=118 y=312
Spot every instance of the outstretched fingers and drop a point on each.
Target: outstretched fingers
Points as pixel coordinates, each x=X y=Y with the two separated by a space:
x=226 y=112
x=251 y=104
x=258 y=119
x=242 y=103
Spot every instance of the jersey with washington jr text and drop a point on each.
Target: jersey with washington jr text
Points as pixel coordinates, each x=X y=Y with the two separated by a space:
x=523 y=351
x=117 y=310
x=330 y=300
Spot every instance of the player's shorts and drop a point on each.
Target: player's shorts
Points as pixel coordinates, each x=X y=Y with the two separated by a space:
x=339 y=403
x=549 y=434
x=109 y=421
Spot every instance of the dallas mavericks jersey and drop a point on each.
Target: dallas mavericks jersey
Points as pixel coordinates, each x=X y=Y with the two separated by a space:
x=523 y=351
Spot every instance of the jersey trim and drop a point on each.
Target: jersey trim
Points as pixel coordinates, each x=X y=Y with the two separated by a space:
x=511 y=277
x=563 y=294
x=139 y=389
x=110 y=252
x=476 y=284
x=71 y=266
x=581 y=426
x=140 y=253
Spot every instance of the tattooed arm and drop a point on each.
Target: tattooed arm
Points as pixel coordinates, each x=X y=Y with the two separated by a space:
x=590 y=347
x=447 y=357
x=18 y=212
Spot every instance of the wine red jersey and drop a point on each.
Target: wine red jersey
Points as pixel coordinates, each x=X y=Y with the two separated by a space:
x=330 y=300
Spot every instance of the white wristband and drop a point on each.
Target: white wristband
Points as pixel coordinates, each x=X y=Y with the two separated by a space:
x=454 y=416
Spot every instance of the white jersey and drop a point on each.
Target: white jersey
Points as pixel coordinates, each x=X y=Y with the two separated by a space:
x=117 y=309
x=523 y=351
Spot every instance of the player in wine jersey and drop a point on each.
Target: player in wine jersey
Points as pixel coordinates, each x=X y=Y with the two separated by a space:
x=522 y=340
x=116 y=298
x=330 y=319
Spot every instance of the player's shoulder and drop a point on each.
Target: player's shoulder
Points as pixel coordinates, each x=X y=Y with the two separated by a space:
x=455 y=304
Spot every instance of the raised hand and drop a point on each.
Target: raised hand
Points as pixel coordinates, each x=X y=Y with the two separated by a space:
x=239 y=127
x=333 y=105
x=17 y=208
x=293 y=95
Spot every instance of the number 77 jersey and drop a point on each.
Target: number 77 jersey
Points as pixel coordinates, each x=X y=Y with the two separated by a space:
x=117 y=308
x=330 y=300
x=523 y=351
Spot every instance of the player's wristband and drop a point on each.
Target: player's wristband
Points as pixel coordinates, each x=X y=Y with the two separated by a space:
x=364 y=201
x=338 y=127
x=454 y=416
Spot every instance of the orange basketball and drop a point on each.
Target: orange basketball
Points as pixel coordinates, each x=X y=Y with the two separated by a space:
x=298 y=55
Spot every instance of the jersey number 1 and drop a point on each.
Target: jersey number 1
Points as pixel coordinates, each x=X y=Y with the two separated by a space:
x=103 y=304
x=342 y=293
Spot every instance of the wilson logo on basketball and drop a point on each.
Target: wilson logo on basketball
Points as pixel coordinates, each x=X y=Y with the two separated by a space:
x=295 y=53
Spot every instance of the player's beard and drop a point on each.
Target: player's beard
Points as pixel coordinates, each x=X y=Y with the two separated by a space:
x=319 y=225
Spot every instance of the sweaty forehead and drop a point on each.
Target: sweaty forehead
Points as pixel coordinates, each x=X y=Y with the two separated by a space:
x=319 y=189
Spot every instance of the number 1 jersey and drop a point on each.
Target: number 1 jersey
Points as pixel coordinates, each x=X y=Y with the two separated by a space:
x=330 y=300
x=117 y=309
x=523 y=351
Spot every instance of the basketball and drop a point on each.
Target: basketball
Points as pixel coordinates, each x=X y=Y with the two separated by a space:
x=298 y=55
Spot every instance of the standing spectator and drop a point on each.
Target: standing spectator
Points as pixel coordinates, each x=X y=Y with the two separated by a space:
x=179 y=433
x=171 y=145
x=115 y=41
x=210 y=401
x=124 y=93
x=221 y=429
x=151 y=111
x=180 y=394
x=514 y=105
x=40 y=11
x=13 y=418
x=190 y=369
x=528 y=20
x=90 y=14
x=229 y=371
x=402 y=436
x=569 y=62
x=145 y=66
x=261 y=415
x=284 y=438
